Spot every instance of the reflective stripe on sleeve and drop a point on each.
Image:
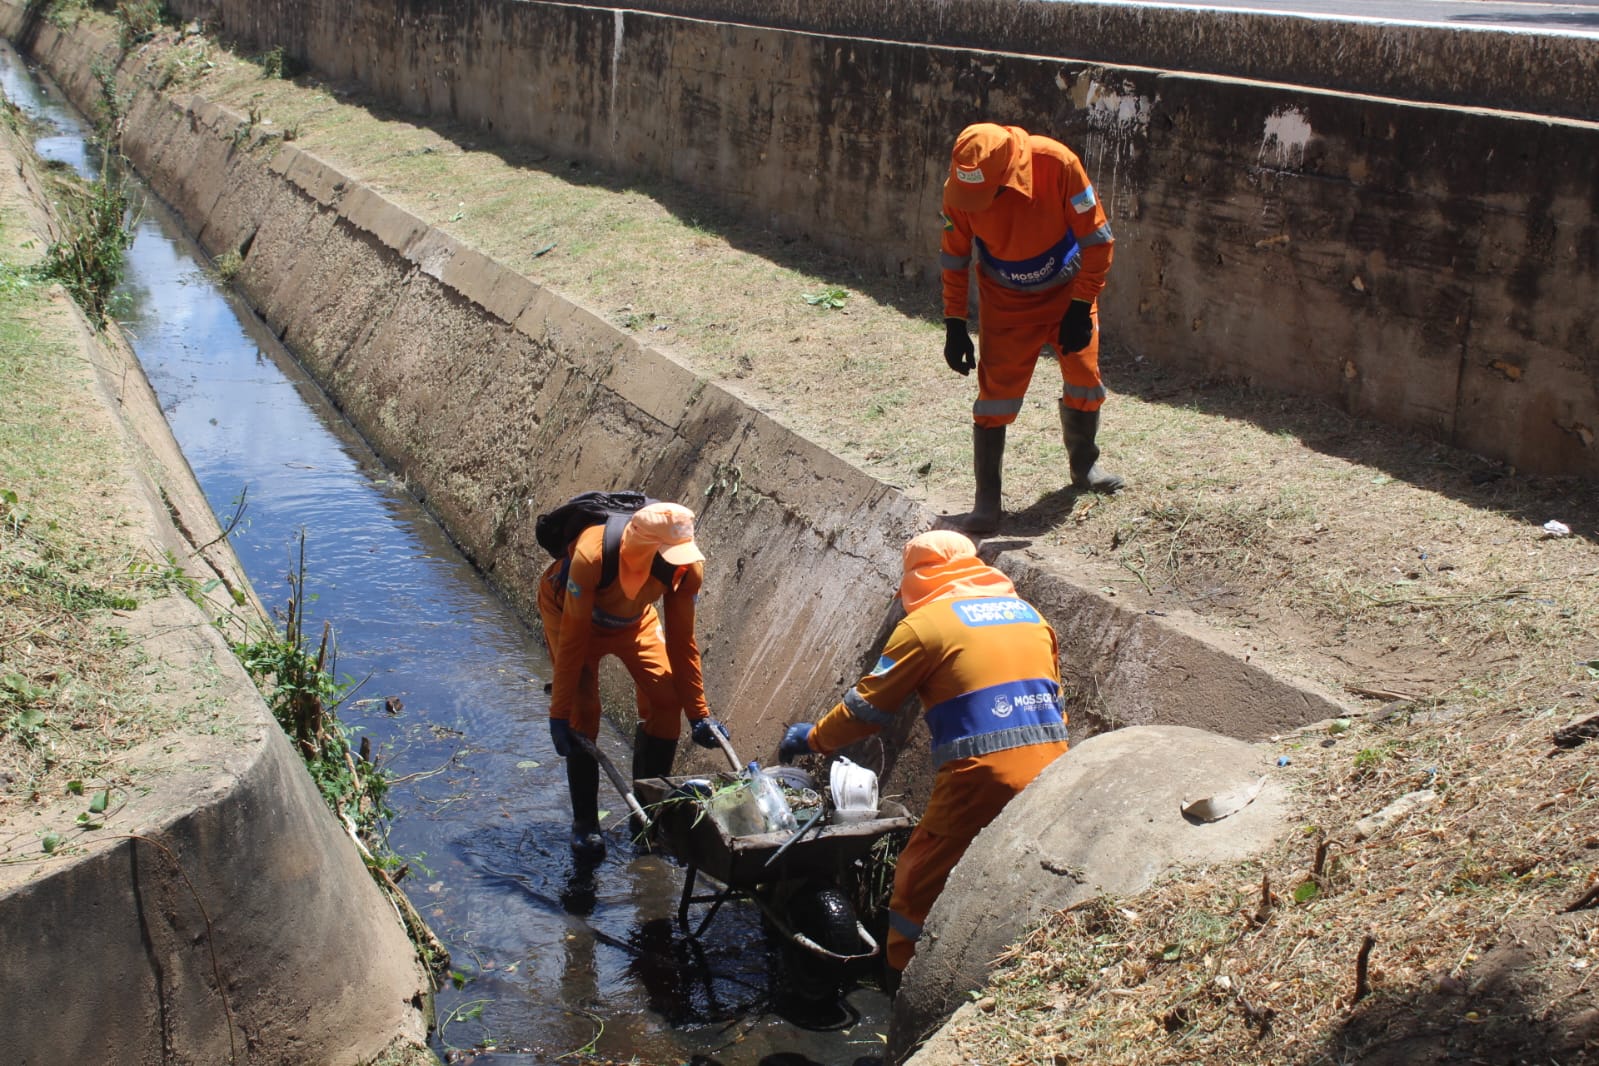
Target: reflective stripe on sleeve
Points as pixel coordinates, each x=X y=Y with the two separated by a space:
x=1102 y=235
x=954 y=262
x=856 y=705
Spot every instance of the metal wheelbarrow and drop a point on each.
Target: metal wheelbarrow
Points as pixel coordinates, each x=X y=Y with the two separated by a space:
x=766 y=867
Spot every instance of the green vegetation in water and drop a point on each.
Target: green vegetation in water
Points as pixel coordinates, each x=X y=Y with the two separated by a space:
x=90 y=257
x=304 y=693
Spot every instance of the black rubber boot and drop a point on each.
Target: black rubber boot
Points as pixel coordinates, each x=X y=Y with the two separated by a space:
x=988 y=459
x=583 y=784
x=1078 y=429
x=652 y=756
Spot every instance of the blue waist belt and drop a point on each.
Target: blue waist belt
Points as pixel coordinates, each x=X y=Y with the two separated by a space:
x=1055 y=266
x=612 y=621
x=995 y=718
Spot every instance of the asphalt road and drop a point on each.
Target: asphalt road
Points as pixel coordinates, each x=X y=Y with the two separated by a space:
x=1578 y=18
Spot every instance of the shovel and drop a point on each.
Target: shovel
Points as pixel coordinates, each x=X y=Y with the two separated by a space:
x=617 y=779
x=727 y=749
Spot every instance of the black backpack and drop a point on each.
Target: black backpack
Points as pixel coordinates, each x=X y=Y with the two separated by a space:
x=557 y=529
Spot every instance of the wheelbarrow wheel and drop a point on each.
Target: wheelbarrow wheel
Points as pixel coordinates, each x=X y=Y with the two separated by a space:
x=823 y=914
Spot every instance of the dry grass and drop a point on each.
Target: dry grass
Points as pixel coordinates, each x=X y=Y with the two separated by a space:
x=1259 y=963
x=72 y=684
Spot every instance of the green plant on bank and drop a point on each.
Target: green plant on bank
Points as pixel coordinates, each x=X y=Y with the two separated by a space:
x=830 y=299
x=137 y=20
x=89 y=258
x=170 y=576
x=228 y=265
x=304 y=694
x=114 y=103
x=183 y=63
x=276 y=64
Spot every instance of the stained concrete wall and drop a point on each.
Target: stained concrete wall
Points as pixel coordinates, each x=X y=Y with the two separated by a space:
x=1496 y=63
x=1425 y=264
x=494 y=398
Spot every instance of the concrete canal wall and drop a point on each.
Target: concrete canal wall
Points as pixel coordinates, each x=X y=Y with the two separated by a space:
x=1396 y=220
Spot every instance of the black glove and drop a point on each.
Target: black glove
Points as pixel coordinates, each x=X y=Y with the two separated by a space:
x=958 y=350
x=1077 y=328
x=561 y=736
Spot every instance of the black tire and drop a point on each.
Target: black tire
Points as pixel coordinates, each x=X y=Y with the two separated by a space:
x=824 y=914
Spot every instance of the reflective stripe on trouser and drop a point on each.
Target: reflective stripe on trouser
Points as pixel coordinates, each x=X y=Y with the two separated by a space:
x=919 y=877
x=1006 y=358
x=643 y=651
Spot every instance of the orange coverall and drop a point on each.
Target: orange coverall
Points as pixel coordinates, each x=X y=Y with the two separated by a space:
x=1044 y=242
x=988 y=674
x=583 y=626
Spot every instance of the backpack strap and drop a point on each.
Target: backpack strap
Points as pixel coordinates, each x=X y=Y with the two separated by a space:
x=662 y=571
x=611 y=550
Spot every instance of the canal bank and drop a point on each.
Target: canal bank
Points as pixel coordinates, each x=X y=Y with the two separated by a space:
x=198 y=873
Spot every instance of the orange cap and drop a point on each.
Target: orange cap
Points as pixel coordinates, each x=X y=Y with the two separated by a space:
x=986 y=155
x=664 y=529
x=942 y=564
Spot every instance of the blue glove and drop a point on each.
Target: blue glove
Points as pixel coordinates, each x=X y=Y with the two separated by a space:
x=702 y=735
x=796 y=742
x=1077 y=328
x=561 y=736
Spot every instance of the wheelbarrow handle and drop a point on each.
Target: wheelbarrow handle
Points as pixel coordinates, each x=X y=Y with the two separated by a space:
x=616 y=778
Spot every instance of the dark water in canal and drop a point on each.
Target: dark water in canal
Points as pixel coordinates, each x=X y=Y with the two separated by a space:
x=555 y=961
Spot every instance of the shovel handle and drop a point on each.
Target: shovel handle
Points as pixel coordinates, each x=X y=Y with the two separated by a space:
x=616 y=778
x=727 y=749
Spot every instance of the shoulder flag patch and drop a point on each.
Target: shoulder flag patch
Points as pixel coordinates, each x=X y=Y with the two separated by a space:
x=948 y=225
x=1084 y=201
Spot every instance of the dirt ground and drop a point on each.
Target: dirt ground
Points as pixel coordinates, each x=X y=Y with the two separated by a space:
x=1415 y=579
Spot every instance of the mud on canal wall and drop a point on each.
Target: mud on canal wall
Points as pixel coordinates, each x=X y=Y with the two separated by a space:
x=221 y=914
x=1429 y=264
x=494 y=398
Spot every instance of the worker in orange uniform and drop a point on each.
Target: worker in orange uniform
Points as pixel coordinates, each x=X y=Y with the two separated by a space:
x=1023 y=207
x=985 y=666
x=584 y=622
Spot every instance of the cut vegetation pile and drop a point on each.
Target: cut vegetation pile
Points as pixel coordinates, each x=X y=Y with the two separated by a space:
x=1436 y=906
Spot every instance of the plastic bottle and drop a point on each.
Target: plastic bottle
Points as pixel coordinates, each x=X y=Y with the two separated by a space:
x=769 y=797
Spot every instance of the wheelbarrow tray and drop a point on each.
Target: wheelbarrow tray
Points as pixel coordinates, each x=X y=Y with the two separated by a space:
x=696 y=839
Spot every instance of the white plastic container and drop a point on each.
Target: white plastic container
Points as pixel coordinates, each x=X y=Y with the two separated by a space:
x=854 y=790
